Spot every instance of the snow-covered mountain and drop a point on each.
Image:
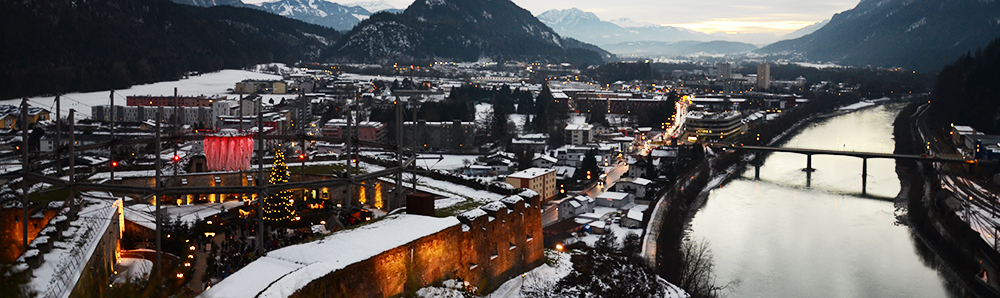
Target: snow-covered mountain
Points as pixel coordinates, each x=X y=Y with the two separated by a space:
x=587 y=27
x=373 y=6
x=627 y=22
x=210 y=3
x=464 y=30
x=917 y=34
x=319 y=12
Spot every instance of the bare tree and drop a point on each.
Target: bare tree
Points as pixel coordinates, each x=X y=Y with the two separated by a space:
x=698 y=271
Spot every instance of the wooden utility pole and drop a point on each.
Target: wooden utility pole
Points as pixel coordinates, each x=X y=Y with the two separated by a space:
x=58 y=136
x=350 y=154
x=156 y=197
x=111 y=152
x=241 y=112
x=399 y=154
x=177 y=133
x=261 y=183
x=25 y=169
x=72 y=160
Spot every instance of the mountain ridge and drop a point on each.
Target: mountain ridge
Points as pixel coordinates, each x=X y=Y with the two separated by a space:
x=921 y=35
x=99 y=45
x=467 y=30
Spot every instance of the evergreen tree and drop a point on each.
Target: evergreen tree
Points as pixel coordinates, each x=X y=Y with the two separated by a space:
x=590 y=164
x=542 y=103
x=278 y=207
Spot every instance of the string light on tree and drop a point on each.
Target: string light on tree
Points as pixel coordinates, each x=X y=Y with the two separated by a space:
x=378 y=195
x=278 y=207
x=361 y=194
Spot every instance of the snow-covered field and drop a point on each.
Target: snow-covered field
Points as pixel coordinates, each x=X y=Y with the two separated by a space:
x=444 y=162
x=209 y=84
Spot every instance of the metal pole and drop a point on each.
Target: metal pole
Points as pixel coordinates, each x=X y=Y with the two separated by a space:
x=176 y=134
x=25 y=168
x=72 y=159
x=241 y=112
x=415 y=154
x=111 y=154
x=350 y=155
x=399 y=154
x=156 y=197
x=58 y=135
x=261 y=182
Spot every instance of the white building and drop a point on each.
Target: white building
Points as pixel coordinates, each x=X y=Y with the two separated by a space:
x=636 y=186
x=579 y=134
x=614 y=199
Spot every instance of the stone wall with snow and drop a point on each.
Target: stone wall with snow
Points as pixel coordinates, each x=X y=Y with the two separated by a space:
x=487 y=247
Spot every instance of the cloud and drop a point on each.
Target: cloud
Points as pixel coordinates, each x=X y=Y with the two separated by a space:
x=743 y=26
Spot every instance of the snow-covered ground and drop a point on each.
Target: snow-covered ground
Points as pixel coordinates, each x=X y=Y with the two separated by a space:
x=142 y=214
x=129 y=269
x=541 y=278
x=446 y=162
x=209 y=84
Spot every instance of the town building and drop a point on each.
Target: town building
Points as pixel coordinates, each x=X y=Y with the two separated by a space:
x=542 y=181
x=635 y=186
x=725 y=70
x=614 y=199
x=571 y=207
x=579 y=134
x=366 y=130
x=763 y=76
x=195 y=116
x=453 y=136
x=712 y=126
x=169 y=101
x=10 y=116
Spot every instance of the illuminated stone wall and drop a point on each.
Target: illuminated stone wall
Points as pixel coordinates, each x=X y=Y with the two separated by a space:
x=12 y=233
x=489 y=247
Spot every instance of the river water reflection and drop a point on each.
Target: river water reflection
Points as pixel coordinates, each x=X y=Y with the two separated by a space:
x=780 y=238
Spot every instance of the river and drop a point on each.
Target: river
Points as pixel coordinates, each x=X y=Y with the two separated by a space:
x=781 y=238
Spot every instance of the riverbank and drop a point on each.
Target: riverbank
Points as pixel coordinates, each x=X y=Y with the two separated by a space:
x=953 y=243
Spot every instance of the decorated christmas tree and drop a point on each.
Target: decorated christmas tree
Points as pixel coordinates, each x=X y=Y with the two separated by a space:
x=278 y=207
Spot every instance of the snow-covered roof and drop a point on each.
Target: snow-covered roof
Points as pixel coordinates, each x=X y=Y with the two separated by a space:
x=612 y=195
x=575 y=203
x=638 y=181
x=531 y=173
x=284 y=271
x=545 y=157
x=528 y=193
x=635 y=213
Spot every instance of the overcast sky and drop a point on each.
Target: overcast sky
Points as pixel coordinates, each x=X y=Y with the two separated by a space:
x=709 y=16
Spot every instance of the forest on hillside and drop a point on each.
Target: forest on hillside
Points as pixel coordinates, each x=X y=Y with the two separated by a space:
x=968 y=91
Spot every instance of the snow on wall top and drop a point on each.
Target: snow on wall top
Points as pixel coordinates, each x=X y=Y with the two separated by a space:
x=471 y=215
x=511 y=200
x=528 y=193
x=493 y=207
x=284 y=271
